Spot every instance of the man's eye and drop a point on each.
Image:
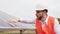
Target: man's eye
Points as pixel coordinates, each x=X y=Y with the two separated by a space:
x=38 y=11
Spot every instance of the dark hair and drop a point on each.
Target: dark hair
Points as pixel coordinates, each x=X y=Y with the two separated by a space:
x=45 y=10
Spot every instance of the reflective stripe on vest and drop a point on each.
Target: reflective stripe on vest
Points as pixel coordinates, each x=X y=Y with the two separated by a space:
x=48 y=29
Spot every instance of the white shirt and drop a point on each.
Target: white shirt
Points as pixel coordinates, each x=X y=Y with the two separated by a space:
x=56 y=24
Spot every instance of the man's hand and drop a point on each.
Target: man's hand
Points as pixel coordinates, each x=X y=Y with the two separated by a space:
x=14 y=20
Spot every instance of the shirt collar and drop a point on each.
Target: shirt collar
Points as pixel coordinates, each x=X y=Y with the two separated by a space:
x=46 y=19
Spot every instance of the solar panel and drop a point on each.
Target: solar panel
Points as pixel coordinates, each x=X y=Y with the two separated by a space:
x=4 y=23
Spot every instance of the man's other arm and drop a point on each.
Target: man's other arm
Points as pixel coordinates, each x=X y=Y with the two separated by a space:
x=57 y=27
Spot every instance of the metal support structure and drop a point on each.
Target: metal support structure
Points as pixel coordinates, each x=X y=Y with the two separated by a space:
x=21 y=31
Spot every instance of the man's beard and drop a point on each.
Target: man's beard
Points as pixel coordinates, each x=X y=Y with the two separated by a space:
x=40 y=18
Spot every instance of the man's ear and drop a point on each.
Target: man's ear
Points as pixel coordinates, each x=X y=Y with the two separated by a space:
x=44 y=13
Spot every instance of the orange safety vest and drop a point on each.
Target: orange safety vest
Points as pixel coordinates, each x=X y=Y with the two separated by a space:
x=48 y=28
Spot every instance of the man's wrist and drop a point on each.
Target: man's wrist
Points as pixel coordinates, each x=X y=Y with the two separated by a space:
x=18 y=20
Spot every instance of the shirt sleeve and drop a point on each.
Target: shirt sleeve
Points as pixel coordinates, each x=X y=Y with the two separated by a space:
x=28 y=21
x=57 y=27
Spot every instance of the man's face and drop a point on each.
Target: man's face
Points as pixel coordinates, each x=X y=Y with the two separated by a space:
x=39 y=14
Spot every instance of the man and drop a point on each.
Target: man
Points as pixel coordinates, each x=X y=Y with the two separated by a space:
x=44 y=24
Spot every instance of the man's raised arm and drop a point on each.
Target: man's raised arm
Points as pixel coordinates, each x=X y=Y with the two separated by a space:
x=27 y=21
